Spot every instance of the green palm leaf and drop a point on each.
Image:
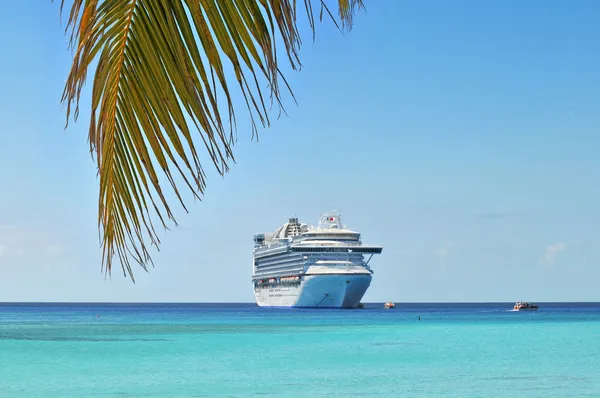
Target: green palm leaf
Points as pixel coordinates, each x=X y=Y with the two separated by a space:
x=160 y=80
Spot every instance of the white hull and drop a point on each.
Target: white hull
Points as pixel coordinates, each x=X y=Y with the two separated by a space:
x=343 y=290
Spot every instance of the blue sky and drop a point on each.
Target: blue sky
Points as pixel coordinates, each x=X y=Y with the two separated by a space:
x=462 y=136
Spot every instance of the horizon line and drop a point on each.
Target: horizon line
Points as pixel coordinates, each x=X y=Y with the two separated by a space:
x=252 y=302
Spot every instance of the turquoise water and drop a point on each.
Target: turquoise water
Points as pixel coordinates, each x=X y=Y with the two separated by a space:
x=477 y=350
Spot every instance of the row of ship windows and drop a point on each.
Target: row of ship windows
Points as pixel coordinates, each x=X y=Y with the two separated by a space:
x=335 y=250
x=350 y=236
x=273 y=260
x=261 y=269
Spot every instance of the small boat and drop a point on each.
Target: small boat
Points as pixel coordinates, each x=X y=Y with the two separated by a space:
x=524 y=306
x=389 y=305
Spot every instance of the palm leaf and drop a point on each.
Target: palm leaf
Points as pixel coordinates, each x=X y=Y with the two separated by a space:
x=160 y=80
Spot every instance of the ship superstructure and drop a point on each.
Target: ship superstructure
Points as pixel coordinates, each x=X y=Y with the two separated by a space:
x=320 y=267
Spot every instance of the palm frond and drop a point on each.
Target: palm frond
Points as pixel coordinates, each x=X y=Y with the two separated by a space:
x=161 y=65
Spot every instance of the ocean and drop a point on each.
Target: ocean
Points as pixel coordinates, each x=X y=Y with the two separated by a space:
x=239 y=350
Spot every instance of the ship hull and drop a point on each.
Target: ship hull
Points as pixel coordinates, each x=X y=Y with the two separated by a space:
x=316 y=291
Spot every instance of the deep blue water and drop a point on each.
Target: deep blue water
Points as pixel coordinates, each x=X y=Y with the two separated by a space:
x=207 y=350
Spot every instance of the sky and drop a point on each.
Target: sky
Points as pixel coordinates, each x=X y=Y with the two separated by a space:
x=462 y=136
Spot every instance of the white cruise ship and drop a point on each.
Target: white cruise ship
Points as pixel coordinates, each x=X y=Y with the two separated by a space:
x=315 y=267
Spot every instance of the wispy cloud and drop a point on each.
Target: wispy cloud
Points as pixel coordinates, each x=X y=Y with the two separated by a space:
x=444 y=251
x=552 y=252
x=500 y=214
x=33 y=245
x=10 y=237
x=443 y=254
x=54 y=250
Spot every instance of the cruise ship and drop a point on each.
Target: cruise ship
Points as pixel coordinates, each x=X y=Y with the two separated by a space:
x=314 y=267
